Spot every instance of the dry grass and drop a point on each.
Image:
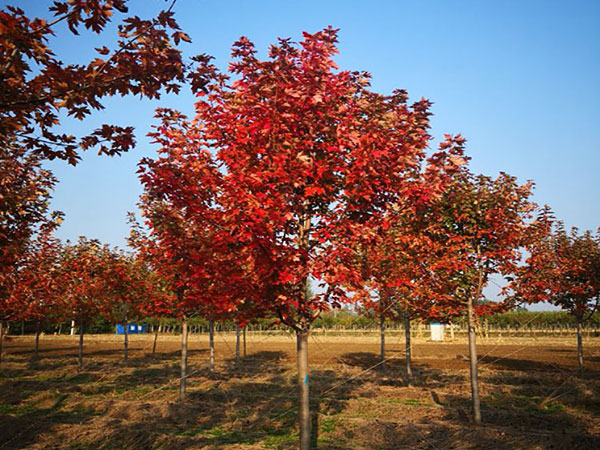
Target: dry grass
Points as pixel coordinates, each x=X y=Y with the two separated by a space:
x=532 y=396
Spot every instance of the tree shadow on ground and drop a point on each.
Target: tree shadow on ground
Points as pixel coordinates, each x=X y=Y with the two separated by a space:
x=526 y=408
x=518 y=419
x=551 y=391
x=265 y=362
x=256 y=405
x=385 y=434
x=503 y=363
x=140 y=377
x=16 y=390
x=21 y=424
x=393 y=371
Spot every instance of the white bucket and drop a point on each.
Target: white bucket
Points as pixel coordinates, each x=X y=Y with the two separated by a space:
x=437 y=331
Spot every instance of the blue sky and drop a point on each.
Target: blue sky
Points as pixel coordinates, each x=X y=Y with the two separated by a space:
x=519 y=79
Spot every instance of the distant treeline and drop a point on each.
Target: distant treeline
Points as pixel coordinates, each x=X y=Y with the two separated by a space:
x=514 y=319
x=339 y=319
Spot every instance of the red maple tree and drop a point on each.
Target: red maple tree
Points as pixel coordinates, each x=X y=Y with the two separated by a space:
x=37 y=293
x=562 y=268
x=401 y=264
x=38 y=89
x=127 y=287
x=484 y=224
x=188 y=243
x=81 y=277
x=308 y=160
x=25 y=224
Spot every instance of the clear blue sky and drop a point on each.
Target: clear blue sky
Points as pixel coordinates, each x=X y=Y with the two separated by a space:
x=519 y=79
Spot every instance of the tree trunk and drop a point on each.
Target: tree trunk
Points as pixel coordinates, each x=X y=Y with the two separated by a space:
x=579 y=345
x=211 y=341
x=408 y=350
x=126 y=342
x=36 y=350
x=473 y=362
x=382 y=339
x=1 y=339
x=184 y=341
x=72 y=327
x=244 y=337
x=452 y=331
x=237 y=343
x=303 y=391
x=155 y=339
x=80 y=344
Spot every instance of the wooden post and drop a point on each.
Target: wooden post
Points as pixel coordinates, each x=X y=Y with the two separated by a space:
x=303 y=390
x=184 y=341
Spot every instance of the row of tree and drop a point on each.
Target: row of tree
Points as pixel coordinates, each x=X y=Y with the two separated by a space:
x=291 y=172
x=345 y=320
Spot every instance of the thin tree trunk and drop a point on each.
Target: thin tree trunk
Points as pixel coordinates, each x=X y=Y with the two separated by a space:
x=211 y=341
x=382 y=339
x=473 y=362
x=80 y=344
x=126 y=342
x=1 y=339
x=579 y=345
x=244 y=337
x=22 y=327
x=237 y=343
x=408 y=350
x=303 y=391
x=155 y=339
x=36 y=351
x=184 y=341
x=72 y=327
x=452 y=331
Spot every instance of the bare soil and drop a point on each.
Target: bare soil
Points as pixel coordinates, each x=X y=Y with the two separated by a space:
x=533 y=397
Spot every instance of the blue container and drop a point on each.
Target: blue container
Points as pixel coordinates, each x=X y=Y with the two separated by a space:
x=132 y=328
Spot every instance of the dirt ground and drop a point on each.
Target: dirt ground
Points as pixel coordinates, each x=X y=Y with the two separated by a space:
x=532 y=395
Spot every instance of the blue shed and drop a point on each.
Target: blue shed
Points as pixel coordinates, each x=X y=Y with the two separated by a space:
x=132 y=328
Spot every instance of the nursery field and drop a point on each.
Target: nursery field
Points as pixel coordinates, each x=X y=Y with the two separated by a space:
x=532 y=394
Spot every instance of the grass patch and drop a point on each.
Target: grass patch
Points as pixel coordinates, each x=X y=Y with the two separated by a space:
x=328 y=425
x=277 y=438
x=534 y=404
